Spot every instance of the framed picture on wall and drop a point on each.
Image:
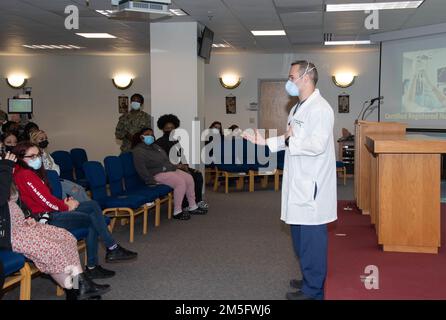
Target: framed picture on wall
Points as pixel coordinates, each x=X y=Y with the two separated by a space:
x=231 y=105
x=343 y=103
x=123 y=103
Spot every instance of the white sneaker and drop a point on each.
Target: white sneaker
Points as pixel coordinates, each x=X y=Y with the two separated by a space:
x=203 y=205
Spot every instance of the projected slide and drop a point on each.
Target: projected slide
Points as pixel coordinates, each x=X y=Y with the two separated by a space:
x=424 y=81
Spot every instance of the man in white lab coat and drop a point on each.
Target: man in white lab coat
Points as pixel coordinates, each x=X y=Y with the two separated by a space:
x=309 y=178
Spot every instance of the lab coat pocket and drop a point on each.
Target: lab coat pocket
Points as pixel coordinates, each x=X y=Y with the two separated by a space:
x=303 y=193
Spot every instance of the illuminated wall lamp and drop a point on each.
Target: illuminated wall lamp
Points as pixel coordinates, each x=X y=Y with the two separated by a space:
x=344 y=80
x=16 y=81
x=122 y=82
x=230 y=81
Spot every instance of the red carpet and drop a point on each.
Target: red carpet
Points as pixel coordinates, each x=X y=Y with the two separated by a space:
x=401 y=275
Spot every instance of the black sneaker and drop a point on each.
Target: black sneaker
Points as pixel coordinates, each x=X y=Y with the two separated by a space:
x=99 y=273
x=119 y=254
x=184 y=215
x=296 y=284
x=198 y=211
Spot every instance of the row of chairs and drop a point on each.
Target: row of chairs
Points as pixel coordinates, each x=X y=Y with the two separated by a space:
x=71 y=165
x=124 y=196
x=236 y=161
x=240 y=167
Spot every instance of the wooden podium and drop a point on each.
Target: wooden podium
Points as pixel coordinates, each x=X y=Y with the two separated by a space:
x=405 y=191
x=363 y=157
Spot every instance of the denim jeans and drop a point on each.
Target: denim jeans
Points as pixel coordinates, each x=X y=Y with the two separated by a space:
x=74 y=190
x=87 y=215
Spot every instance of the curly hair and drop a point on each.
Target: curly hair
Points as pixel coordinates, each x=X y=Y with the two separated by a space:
x=168 y=118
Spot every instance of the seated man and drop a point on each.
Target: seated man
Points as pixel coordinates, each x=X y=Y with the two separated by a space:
x=167 y=123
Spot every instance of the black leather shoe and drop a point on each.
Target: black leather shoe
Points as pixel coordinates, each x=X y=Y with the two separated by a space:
x=99 y=273
x=296 y=284
x=184 y=215
x=198 y=211
x=299 y=295
x=88 y=289
x=119 y=254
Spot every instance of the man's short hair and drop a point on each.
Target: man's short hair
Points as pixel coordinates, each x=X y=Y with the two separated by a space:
x=306 y=65
x=137 y=95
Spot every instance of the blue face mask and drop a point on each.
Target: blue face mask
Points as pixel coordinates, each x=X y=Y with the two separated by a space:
x=36 y=164
x=292 y=89
x=135 y=105
x=148 y=140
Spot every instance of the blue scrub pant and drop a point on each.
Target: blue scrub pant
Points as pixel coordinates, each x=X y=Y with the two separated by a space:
x=310 y=246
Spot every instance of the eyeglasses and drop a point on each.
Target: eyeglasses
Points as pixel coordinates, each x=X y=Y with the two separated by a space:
x=33 y=157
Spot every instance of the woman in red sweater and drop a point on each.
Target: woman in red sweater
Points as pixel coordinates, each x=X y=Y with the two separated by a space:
x=32 y=184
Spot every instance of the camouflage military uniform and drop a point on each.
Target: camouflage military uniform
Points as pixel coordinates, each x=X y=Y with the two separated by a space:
x=131 y=122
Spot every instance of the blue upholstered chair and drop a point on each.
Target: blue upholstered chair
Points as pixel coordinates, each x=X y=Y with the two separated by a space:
x=115 y=207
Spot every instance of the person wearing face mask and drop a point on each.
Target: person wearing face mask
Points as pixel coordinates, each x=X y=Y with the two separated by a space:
x=168 y=123
x=132 y=122
x=7 y=142
x=309 y=178
x=34 y=189
x=53 y=250
x=69 y=188
x=153 y=166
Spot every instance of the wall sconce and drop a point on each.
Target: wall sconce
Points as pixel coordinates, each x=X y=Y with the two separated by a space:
x=230 y=81
x=16 y=81
x=344 y=80
x=122 y=81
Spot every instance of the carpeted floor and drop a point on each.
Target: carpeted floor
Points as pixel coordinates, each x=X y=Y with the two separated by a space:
x=240 y=250
x=353 y=246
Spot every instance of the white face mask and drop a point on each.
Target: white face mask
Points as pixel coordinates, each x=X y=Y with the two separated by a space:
x=292 y=88
x=135 y=105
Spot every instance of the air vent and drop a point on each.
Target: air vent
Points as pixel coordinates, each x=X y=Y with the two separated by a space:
x=328 y=37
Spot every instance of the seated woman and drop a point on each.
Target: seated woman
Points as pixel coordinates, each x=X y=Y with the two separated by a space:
x=8 y=141
x=167 y=123
x=69 y=188
x=53 y=250
x=31 y=181
x=153 y=166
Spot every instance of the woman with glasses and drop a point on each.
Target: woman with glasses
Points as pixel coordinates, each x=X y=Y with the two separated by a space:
x=32 y=183
x=71 y=189
x=53 y=250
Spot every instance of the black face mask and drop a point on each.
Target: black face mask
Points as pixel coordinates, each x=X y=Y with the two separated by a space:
x=43 y=144
x=8 y=148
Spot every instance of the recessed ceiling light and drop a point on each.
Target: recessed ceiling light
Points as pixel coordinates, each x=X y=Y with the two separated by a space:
x=374 y=6
x=96 y=35
x=347 y=43
x=268 y=32
x=178 y=12
x=106 y=13
x=220 y=45
x=51 y=46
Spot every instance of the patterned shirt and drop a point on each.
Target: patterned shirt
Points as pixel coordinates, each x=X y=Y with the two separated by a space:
x=131 y=122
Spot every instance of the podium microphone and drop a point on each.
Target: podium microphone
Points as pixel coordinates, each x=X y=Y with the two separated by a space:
x=375 y=99
x=364 y=108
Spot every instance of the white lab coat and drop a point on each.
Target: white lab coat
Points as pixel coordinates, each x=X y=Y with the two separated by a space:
x=310 y=164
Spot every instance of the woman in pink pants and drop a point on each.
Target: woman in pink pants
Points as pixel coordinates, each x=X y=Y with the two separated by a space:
x=153 y=166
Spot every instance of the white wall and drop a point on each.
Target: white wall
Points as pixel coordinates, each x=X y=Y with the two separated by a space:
x=252 y=66
x=74 y=98
x=177 y=74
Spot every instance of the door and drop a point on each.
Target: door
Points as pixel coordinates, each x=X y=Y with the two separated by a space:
x=274 y=105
